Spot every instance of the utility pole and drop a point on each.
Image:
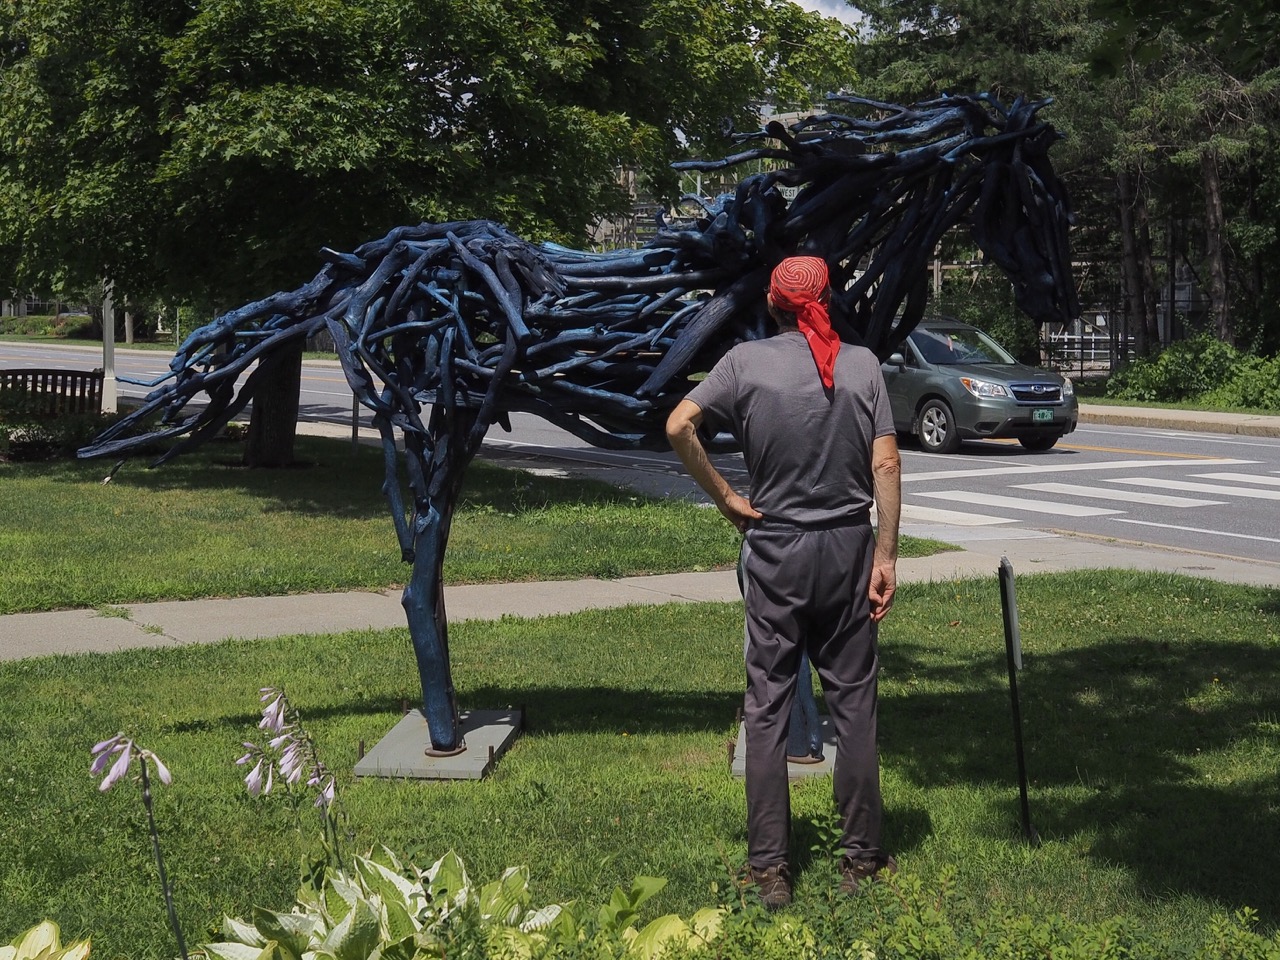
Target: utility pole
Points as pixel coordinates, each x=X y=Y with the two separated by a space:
x=108 y=350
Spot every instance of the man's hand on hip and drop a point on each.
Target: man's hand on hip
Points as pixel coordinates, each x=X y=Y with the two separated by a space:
x=738 y=511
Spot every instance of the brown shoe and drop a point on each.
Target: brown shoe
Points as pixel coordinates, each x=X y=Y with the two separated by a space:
x=773 y=884
x=855 y=870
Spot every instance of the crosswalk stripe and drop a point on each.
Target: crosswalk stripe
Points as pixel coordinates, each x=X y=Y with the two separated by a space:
x=912 y=511
x=1124 y=496
x=1016 y=503
x=1215 y=533
x=1240 y=477
x=1031 y=470
x=1190 y=487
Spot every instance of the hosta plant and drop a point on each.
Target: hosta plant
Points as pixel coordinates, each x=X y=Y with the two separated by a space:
x=44 y=942
x=379 y=909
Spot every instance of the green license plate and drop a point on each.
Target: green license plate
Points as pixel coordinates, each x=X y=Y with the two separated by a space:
x=1042 y=416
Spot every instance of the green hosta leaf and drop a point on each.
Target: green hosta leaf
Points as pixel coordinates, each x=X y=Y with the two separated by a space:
x=658 y=936
x=622 y=909
x=513 y=943
x=237 y=931
x=553 y=918
x=505 y=899
x=44 y=942
x=396 y=921
x=392 y=887
x=447 y=881
x=707 y=923
x=356 y=936
x=617 y=913
x=42 y=937
x=340 y=895
x=239 y=951
x=292 y=931
x=403 y=949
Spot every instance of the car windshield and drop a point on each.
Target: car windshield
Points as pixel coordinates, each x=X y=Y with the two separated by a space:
x=949 y=345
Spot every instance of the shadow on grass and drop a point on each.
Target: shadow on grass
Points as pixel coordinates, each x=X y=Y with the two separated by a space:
x=332 y=478
x=600 y=709
x=1166 y=755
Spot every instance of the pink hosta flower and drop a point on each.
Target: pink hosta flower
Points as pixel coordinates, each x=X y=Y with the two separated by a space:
x=161 y=770
x=326 y=795
x=124 y=750
x=120 y=767
x=254 y=780
x=291 y=762
x=288 y=752
x=273 y=715
x=102 y=753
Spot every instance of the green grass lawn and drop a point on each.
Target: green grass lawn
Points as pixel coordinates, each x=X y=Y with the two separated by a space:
x=203 y=526
x=1148 y=701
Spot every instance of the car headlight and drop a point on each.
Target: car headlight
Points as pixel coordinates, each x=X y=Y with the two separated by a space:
x=983 y=388
x=1068 y=388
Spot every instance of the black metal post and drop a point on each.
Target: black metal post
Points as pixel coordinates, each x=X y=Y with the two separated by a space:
x=1013 y=654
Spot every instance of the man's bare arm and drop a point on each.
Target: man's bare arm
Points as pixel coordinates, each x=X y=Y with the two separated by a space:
x=886 y=473
x=682 y=431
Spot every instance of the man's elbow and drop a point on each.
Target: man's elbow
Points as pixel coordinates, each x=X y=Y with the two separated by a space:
x=681 y=425
x=677 y=427
x=887 y=467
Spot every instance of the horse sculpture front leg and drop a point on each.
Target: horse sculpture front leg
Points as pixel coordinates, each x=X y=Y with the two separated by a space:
x=423 y=602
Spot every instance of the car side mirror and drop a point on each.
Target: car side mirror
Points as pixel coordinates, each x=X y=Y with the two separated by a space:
x=897 y=360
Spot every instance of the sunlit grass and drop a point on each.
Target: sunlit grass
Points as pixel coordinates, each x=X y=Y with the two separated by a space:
x=203 y=526
x=1149 y=713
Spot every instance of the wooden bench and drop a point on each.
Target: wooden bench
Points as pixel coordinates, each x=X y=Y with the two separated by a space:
x=50 y=393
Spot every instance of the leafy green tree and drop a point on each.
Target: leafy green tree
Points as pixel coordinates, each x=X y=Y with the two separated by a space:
x=1239 y=34
x=1164 y=152
x=205 y=150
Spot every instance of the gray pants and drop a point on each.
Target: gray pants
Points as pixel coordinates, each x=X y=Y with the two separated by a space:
x=806 y=589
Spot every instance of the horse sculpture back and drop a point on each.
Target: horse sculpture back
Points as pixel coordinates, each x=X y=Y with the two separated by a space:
x=444 y=329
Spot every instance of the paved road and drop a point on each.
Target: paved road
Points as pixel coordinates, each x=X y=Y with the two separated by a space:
x=1184 y=488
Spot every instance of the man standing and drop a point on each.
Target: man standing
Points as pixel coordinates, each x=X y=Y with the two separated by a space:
x=817 y=435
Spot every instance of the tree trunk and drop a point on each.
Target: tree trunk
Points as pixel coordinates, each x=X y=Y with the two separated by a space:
x=1131 y=268
x=273 y=424
x=1147 y=264
x=1215 y=251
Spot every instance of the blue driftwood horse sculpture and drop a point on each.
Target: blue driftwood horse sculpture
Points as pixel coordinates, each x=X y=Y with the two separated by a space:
x=444 y=329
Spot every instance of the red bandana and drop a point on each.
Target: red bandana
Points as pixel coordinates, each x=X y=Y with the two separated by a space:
x=798 y=286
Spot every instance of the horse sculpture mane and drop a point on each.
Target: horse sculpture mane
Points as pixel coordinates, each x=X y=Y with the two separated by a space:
x=444 y=329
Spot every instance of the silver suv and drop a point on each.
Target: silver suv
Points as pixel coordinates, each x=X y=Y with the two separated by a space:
x=952 y=382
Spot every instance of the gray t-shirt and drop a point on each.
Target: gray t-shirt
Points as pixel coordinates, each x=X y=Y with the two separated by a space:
x=808 y=450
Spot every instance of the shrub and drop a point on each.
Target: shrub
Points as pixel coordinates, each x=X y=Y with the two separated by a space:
x=28 y=435
x=77 y=326
x=379 y=908
x=1255 y=383
x=1185 y=369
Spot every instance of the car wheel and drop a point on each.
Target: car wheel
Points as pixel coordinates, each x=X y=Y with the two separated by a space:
x=936 y=428
x=1039 y=442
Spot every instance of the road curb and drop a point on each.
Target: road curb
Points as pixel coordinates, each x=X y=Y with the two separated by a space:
x=1232 y=424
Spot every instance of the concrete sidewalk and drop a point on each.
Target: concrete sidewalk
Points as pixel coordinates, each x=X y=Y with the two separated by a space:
x=1029 y=551
x=178 y=623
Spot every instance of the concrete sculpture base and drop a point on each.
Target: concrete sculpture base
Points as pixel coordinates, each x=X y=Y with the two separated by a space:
x=402 y=753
